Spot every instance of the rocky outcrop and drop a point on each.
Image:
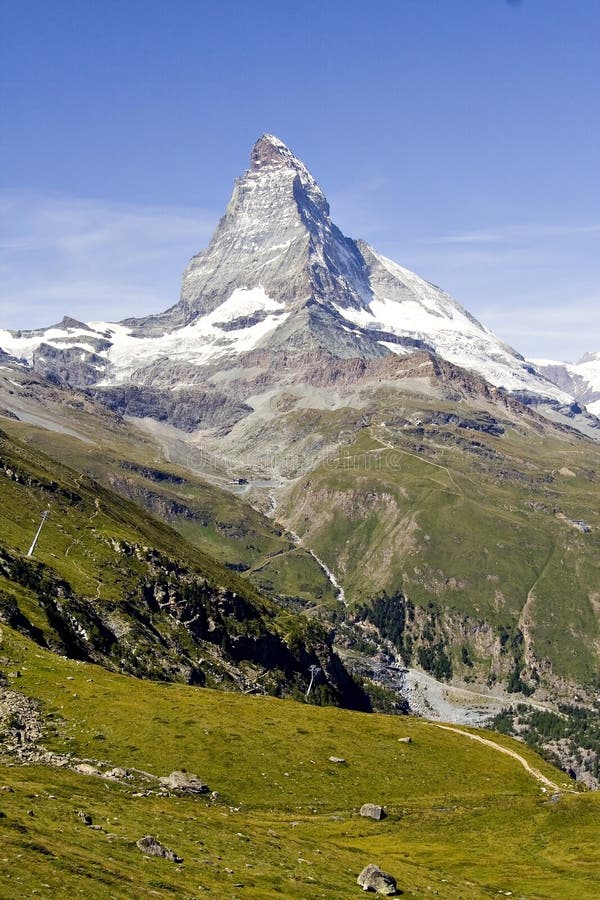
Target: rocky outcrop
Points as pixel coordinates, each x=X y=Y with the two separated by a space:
x=69 y=364
x=177 y=626
x=84 y=817
x=20 y=721
x=183 y=783
x=151 y=846
x=443 y=642
x=184 y=409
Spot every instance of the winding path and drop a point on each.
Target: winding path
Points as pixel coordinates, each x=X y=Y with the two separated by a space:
x=521 y=759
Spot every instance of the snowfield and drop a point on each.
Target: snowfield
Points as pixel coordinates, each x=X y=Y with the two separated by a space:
x=199 y=343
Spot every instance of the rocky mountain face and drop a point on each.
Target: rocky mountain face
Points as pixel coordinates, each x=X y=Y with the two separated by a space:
x=276 y=233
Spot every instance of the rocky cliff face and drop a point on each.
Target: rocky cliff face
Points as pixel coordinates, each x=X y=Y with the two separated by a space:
x=277 y=232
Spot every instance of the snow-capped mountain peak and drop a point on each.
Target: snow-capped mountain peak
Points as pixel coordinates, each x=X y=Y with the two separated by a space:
x=270 y=151
x=278 y=273
x=277 y=232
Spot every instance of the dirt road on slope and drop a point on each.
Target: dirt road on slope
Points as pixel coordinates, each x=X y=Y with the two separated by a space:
x=521 y=759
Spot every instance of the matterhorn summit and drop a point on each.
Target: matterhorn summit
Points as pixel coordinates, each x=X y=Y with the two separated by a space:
x=278 y=275
x=276 y=234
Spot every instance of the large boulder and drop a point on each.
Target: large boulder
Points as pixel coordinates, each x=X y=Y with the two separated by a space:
x=184 y=783
x=374 y=879
x=372 y=811
x=153 y=847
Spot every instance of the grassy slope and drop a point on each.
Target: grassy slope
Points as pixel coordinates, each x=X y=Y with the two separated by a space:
x=108 y=552
x=84 y=519
x=479 y=531
x=463 y=821
x=211 y=519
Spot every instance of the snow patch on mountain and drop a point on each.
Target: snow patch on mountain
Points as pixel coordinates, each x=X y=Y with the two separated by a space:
x=22 y=345
x=407 y=306
x=199 y=343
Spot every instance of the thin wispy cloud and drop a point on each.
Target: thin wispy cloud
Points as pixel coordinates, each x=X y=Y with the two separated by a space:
x=91 y=259
x=507 y=234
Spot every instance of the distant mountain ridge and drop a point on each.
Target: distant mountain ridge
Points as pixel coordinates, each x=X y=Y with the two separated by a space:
x=580 y=379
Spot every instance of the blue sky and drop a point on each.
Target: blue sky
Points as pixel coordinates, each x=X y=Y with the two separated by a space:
x=460 y=137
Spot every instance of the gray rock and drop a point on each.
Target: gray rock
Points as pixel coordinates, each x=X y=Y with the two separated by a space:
x=183 y=783
x=117 y=773
x=374 y=879
x=20 y=720
x=278 y=190
x=85 y=817
x=86 y=769
x=372 y=811
x=153 y=847
x=405 y=740
x=337 y=759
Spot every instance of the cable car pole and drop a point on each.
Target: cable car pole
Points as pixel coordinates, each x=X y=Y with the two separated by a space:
x=314 y=671
x=45 y=515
